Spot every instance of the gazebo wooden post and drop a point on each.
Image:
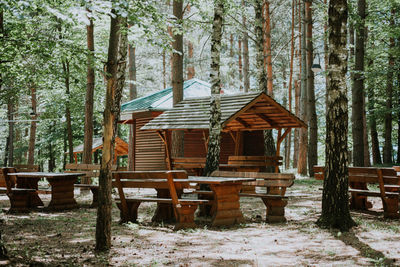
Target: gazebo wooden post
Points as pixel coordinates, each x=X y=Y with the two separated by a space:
x=281 y=137
x=76 y=158
x=164 y=137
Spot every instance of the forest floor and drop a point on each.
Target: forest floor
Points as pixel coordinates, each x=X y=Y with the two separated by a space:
x=67 y=238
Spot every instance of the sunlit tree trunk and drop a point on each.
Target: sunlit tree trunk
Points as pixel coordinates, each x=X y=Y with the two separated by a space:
x=177 y=75
x=132 y=95
x=32 y=132
x=303 y=133
x=116 y=67
x=335 y=200
x=246 y=64
x=190 y=69
x=88 y=140
x=213 y=150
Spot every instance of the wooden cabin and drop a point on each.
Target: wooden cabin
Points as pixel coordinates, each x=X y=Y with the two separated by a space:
x=148 y=148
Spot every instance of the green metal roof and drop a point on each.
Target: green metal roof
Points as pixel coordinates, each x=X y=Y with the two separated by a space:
x=162 y=100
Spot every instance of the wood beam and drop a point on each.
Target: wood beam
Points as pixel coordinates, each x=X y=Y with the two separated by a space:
x=243 y=122
x=266 y=119
x=164 y=137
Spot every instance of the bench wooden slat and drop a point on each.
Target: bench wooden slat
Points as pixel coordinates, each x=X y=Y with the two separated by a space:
x=262 y=195
x=387 y=179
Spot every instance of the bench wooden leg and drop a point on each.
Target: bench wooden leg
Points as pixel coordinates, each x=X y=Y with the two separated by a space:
x=95 y=193
x=19 y=202
x=226 y=205
x=275 y=210
x=358 y=202
x=132 y=214
x=185 y=216
x=391 y=207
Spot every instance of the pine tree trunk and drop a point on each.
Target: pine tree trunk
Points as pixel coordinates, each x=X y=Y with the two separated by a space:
x=32 y=132
x=177 y=76
x=10 y=141
x=116 y=67
x=311 y=112
x=303 y=135
x=231 y=64
x=267 y=48
x=398 y=115
x=65 y=65
x=387 y=149
x=289 y=137
x=296 y=131
x=246 y=63
x=132 y=95
x=358 y=90
x=335 y=201
x=90 y=78
x=213 y=150
x=190 y=69
x=376 y=155
x=164 y=70
x=240 y=63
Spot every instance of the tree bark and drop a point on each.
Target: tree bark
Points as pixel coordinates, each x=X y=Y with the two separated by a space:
x=398 y=116
x=164 y=70
x=132 y=95
x=240 y=63
x=311 y=112
x=267 y=47
x=296 y=131
x=289 y=137
x=65 y=65
x=376 y=155
x=246 y=63
x=213 y=150
x=387 y=149
x=10 y=141
x=303 y=135
x=116 y=67
x=190 y=69
x=177 y=75
x=32 y=132
x=358 y=89
x=90 y=79
x=335 y=201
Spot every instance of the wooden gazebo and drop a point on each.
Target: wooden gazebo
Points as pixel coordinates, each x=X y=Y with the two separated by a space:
x=240 y=114
x=121 y=148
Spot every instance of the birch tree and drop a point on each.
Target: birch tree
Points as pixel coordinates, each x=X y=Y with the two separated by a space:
x=213 y=150
x=335 y=201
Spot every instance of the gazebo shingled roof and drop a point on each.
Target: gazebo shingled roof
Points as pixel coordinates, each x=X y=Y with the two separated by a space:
x=250 y=111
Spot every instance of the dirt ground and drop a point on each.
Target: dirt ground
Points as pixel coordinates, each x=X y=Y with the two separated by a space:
x=67 y=238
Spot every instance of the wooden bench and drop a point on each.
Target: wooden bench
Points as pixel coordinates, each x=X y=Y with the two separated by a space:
x=20 y=198
x=91 y=171
x=252 y=163
x=387 y=179
x=26 y=168
x=274 y=185
x=168 y=193
x=193 y=165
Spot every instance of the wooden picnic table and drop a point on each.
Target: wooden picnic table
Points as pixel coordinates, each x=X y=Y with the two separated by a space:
x=62 y=188
x=226 y=206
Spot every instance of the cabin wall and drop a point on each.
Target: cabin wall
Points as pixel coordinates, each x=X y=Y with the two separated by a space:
x=149 y=150
x=194 y=145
